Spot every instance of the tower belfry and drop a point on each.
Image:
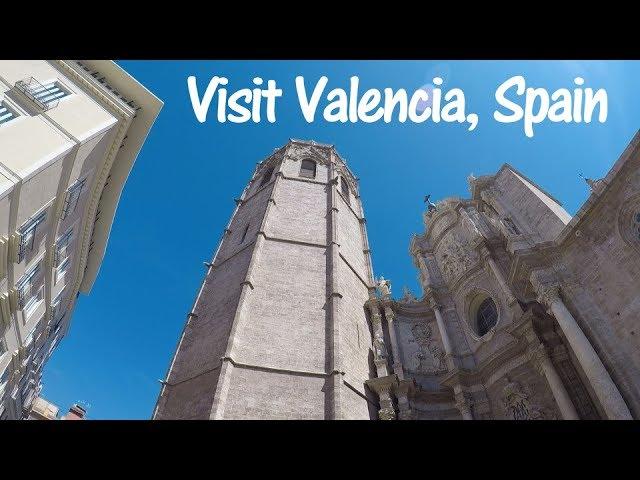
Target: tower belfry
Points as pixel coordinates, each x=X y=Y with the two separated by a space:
x=278 y=329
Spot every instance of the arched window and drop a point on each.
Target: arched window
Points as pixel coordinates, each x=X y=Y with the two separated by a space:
x=266 y=176
x=486 y=316
x=244 y=234
x=344 y=186
x=308 y=168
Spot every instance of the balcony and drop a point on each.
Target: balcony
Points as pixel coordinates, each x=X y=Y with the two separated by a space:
x=45 y=96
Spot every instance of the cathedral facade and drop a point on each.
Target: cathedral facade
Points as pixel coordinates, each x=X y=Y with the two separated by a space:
x=526 y=312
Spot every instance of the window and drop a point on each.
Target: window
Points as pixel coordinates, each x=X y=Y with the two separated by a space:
x=6 y=113
x=62 y=247
x=244 y=234
x=27 y=341
x=28 y=234
x=73 y=195
x=3 y=348
x=344 y=187
x=62 y=269
x=28 y=295
x=266 y=176
x=486 y=316
x=49 y=93
x=636 y=225
x=56 y=308
x=308 y=169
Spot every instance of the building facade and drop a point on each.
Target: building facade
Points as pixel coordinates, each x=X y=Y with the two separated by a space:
x=42 y=409
x=69 y=134
x=526 y=312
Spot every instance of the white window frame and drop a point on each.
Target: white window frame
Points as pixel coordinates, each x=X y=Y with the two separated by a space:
x=62 y=247
x=34 y=302
x=14 y=113
x=61 y=270
x=27 y=341
x=28 y=232
x=48 y=86
x=73 y=197
x=27 y=282
x=55 y=306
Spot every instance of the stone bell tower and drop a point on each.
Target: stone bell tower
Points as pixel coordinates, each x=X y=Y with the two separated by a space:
x=278 y=329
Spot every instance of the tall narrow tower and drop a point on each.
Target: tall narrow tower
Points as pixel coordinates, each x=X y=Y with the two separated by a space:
x=278 y=329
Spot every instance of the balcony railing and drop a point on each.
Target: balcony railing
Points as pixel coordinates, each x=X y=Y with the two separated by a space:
x=44 y=96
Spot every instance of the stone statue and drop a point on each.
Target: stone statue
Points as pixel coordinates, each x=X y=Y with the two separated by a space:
x=516 y=403
x=438 y=356
x=384 y=286
x=379 y=349
x=430 y=205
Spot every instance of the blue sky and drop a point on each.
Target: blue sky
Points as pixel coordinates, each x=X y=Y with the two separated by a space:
x=180 y=194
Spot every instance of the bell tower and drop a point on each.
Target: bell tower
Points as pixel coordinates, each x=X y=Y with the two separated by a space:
x=278 y=329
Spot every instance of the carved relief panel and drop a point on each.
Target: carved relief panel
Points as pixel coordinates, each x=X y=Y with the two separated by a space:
x=522 y=394
x=455 y=256
x=422 y=347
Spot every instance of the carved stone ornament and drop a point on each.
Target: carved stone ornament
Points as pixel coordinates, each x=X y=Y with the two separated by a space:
x=300 y=151
x=387 y=414
x=548 y=294
x=453 y=258
x=517 y=403
x=538 y=355
x=431 y=298
x=429 y=357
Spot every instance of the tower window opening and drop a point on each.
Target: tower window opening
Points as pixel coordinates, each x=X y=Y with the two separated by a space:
x=308 y=168
x=244 y=234
x=344 y=187
x=266 y=176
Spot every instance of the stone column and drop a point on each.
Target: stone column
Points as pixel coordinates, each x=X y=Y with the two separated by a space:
x=427 y=281
x=379 y=349
x=402 y=394
x=397 y=364
x=383 y=387
x=446 y=342
x=486 y=254
x=462 y=403
x=600 y=380
x=541 y=360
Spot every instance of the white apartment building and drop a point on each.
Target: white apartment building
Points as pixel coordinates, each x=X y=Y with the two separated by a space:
x=69 y=134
